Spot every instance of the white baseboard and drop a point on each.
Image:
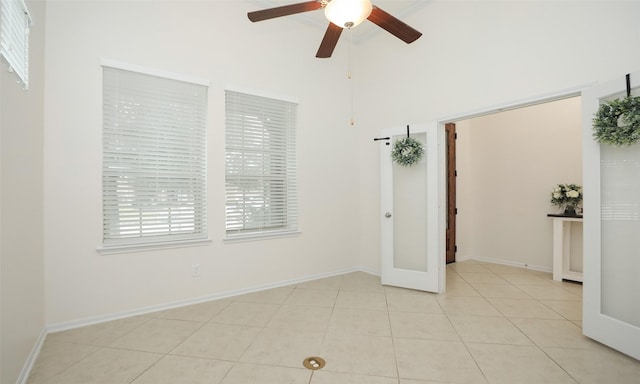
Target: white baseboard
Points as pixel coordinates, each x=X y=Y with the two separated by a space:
x=506 y=262
x=369 y=271
x=463 y=258
x=31 y=359
x=67 y=325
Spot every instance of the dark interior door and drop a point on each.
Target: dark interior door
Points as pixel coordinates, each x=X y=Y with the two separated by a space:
x=450 y=129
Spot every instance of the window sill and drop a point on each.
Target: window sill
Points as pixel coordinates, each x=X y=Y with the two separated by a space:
x=259 y=236
x=130 y=248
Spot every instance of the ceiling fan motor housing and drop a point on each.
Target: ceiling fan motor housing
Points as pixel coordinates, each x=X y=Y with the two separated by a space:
x=347 y=13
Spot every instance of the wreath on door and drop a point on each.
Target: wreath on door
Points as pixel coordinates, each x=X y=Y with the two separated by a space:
x=618 y=122
x=407 y=151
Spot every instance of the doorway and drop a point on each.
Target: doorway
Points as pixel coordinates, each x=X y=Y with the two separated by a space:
x=503 y=166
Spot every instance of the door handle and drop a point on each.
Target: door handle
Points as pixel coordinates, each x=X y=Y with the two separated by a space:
x=387 y=215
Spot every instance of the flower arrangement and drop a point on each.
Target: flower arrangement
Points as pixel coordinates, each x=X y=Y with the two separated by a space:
x=567 y=196
x=407 y=151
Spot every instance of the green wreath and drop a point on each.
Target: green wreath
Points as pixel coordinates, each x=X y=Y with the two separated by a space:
x=618 y=122
x=407 y=151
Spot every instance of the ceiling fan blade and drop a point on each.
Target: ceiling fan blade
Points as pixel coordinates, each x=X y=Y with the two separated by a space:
x=329 y=41
x=393 y=25
x=284 y=10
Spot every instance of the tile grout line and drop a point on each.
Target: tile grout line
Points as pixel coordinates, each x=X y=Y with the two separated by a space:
x=99 y=348
x=194 y=332
x=538 y=346
x=168 y=353
x=263 y=328
x=326 y=331
x=393 y=340
x=466 y=347
x=529 y=338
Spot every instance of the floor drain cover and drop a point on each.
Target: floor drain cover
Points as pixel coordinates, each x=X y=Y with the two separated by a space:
x=314 y=363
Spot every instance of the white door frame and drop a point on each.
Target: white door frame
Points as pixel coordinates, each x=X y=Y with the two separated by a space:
x=527 y=102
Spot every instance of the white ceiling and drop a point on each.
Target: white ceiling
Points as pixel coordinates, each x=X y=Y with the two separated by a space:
x=365 y=31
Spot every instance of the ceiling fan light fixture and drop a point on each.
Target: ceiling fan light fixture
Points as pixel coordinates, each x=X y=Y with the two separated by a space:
x=347 y=13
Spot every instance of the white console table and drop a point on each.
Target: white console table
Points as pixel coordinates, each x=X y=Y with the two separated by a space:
x=562 y=247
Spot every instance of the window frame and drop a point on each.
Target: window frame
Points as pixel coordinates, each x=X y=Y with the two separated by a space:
x=198 y=129
x=288 y=182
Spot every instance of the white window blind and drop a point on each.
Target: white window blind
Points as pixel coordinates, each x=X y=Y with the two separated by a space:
x=260 y=154
x=154 y=159
x=14 y=37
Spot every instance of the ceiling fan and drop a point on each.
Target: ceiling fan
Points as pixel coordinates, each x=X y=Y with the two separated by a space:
x=342 y=14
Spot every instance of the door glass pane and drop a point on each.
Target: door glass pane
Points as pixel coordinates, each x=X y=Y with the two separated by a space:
x=410 y=212
x=620 y=210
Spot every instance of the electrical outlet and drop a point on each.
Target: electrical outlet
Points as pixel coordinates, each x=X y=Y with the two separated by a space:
x=195 y=270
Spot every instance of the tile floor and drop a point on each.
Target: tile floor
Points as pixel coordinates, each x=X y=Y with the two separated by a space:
x=495 y=324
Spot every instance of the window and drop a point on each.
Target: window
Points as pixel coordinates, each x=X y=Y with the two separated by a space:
x=14 y=37
x=154 y=159
x=260 y=159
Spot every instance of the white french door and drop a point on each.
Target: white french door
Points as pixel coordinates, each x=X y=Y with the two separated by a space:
x=611 y=225
x=412 y=210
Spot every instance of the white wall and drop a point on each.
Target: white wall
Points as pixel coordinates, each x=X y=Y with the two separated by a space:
x=212 y=40
x=509 y=164
x=474 y=55
x=21 y=197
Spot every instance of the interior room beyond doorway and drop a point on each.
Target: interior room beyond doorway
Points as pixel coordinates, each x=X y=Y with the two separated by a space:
x=507 y=164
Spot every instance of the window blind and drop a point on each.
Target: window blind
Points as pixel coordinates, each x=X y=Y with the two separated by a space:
x=14 y=37
x=154 y=159
x=260 y=162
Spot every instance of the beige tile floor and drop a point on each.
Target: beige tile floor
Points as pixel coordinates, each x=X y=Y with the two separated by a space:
x=495 y=324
